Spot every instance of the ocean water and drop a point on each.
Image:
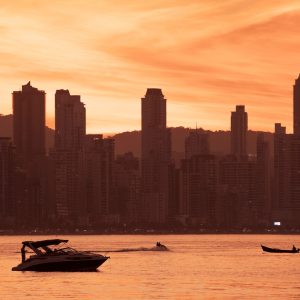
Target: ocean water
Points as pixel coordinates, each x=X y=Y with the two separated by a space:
x=197 y=267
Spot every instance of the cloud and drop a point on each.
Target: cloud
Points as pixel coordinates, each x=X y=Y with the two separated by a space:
x=207 y=56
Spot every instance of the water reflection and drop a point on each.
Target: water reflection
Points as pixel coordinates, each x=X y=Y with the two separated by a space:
x=213 y=266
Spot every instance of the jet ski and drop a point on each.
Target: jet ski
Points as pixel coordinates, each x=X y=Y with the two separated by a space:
x=159 y=247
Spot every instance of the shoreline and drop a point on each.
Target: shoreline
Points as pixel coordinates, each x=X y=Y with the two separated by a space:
x=158 y=232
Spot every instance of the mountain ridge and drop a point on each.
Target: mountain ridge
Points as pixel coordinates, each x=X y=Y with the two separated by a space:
x=130 y=141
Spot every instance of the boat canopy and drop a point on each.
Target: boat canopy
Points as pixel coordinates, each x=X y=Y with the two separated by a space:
x=43 y=243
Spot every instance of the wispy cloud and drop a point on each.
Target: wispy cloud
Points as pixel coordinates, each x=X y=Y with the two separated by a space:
x=207 y=56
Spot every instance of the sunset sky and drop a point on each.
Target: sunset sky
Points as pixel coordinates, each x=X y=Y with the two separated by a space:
x=206 y=56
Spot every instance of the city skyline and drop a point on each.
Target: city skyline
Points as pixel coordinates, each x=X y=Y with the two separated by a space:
x=193 y=126
x=82 y=182
x=160 y=136
x=110 y=62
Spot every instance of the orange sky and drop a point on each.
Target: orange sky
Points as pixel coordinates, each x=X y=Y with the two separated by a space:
x=207 y=56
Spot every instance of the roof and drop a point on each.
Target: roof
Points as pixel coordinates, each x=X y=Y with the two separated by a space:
x=43 y=243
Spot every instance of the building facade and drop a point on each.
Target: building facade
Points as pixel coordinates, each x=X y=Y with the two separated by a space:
x=238 y=134
x=99 y=162
x=7 y=182
x=68 y=155
x=198 y=196
x=29 y=123
x=29 y=140
x=156 y=158
x=196 y=143
x=296 y=106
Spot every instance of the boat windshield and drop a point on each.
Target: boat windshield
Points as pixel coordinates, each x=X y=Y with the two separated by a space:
x=67 y=250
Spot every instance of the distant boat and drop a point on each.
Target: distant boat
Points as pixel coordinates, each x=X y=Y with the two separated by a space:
x=274 y=250
x=48 y=259
x=159 y=247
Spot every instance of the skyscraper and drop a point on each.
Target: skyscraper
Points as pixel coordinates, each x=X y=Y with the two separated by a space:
x=239 y=128
x=281 y=203
x=70 y=121
x=294 y=186
x=69 y=156
x=156 y=157
x=99 y=158
x=287 y=168
x=29 y=122
x=29 y=139
x=296 y=102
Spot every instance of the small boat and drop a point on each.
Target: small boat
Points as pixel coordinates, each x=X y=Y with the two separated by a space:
x=274 y=250
x=47 y=259
x=159 y=247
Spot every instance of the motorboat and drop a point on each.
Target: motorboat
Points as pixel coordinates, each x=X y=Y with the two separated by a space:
x=275 y=250
x=158 y=247
x=46 y=258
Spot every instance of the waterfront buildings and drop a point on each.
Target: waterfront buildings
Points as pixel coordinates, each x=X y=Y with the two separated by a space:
x=80 y=184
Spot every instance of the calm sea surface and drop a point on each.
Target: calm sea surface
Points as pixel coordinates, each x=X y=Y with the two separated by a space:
x=197 y=267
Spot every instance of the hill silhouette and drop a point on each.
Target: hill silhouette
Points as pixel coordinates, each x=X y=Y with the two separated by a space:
x=131 y=141
x=6 y=130
x=219 y=141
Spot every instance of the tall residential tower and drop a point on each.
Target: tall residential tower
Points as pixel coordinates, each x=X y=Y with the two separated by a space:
x=156 y=157
x=239 y=128
x=69 y=156
x=70 y=121
x=29 y=122
x=296 y=103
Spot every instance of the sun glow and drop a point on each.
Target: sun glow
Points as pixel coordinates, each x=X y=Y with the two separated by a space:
x=207 y=57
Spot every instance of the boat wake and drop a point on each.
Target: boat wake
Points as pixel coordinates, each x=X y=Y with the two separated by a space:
x=156 y=248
